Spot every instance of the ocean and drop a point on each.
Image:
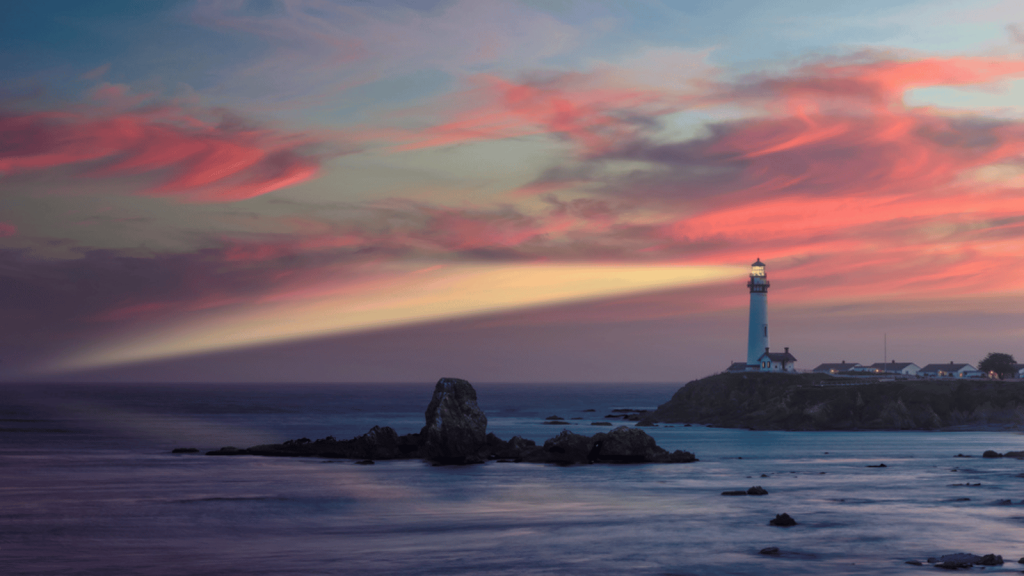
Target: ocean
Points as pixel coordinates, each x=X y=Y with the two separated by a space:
x=90 y=487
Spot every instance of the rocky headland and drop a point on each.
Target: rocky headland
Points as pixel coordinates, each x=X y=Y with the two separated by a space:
x=773 y=401
x=456 y=433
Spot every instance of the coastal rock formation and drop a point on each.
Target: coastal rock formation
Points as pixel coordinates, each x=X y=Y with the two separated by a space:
x=456 y=433
x=993 y=454
x=380 y=443
x=623 y=445
x=775 y=401
x=498 y=449
x=456 y=428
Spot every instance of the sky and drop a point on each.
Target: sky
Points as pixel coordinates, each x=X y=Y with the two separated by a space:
x=504 y=191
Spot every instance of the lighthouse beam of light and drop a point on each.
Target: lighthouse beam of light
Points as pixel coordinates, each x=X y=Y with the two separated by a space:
x=386 y=300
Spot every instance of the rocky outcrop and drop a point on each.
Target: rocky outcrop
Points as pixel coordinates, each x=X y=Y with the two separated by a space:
x=782 y=520
x=623 y=445
x=380 y=443
x=775 y=401
x=456 y=433
x=498 y=449
x=993 y=454
x=965 y=560
x=456 y=428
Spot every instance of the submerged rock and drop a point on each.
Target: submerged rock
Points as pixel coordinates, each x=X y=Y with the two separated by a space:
x=734 y=493
x=185 y=451
x=770 y=551
x=456 y=427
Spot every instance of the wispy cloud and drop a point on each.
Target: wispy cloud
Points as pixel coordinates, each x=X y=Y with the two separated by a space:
x=180 y=154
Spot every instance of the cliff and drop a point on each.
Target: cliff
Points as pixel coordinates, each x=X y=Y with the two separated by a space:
x=820 y=402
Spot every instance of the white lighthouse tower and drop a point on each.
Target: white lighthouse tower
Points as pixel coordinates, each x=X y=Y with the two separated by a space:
x=757 y=334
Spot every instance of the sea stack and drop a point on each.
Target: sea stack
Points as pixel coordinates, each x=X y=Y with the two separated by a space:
x=456 y=428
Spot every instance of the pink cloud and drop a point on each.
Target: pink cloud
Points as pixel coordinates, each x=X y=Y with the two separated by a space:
x=594 y=111
x=7 y=229
x=871 y=200
x=97 y=72
x=831 y=167
x=183 y=156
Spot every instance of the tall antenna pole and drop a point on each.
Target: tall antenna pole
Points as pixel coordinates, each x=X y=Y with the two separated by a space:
x=885 y=348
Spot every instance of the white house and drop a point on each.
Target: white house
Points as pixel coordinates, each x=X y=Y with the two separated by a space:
x=894 y=367
x=836 y=367
x=777 y=361
x=867 y=370
x=951 y=370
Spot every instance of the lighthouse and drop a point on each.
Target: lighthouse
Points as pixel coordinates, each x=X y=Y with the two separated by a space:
x=757 y=333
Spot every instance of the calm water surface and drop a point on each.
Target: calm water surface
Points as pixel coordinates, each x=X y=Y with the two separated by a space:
x=89 y=487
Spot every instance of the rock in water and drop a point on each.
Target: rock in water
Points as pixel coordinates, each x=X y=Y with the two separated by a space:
x=962 y=560
x=456 y=429
x=770 y=551
x=990 y=560
x=628 y=445
x=757 y=491
x=782 y=520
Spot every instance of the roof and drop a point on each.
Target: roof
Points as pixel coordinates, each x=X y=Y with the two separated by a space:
x=778 y=356
x=838 y=366
x=950 y=367
x=758 y=263
x=892 y=365
x=737 y=367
